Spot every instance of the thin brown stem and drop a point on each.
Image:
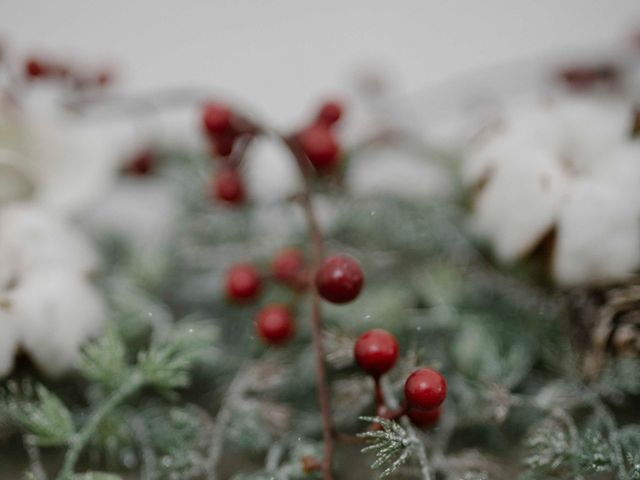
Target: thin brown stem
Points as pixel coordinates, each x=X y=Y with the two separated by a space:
x=316 y=314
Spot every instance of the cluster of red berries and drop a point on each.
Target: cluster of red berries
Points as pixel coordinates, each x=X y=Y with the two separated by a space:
x=319 y=142
x=40 y=68
x=376 y=352
x=338 y=280
x=223 y=128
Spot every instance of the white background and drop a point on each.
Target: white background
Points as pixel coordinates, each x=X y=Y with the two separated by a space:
x=281 y=55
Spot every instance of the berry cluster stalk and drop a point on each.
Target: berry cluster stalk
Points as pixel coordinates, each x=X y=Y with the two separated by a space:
x=316 y=315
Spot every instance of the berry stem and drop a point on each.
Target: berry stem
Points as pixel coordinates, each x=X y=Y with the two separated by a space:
x=317 y=243
x=378 y=395
x=316 y=314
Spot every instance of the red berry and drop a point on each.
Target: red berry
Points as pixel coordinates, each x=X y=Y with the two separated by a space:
x=141 y=164
x=320 y=145
x=275 y=324
x=376 y=352
x=330 y=113
x=216 y=118
x=288 y=267
x=424 y=418
x=339 y=279
x=242 y=282
x=36 y=68
x=425 y=389
x=228 y=186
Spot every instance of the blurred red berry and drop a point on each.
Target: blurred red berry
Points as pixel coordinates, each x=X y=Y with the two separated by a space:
x=36 y=68
x=376 y=351
x=339 y=279
x=242 y=282
x=228 y=186
x=589 y=76
x=425 y=389
x=216 y=118
x=104 y=78
x=288 y=267
x=330 y=113
x=141 y=164
x=424 y=418
x=320 y=145
x=275 y=324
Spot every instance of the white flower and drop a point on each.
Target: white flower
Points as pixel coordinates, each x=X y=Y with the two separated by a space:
x=53 y=312
x=34 y=239
x=48 y=172
x=48 y=306
x=564 y=164
x=52 y=161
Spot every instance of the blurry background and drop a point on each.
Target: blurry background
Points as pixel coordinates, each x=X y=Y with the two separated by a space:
x=280 y=55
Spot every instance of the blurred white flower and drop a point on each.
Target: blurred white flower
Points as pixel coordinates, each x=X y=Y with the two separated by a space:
x=48 y=172
x=48 y=159
x=564 y=164
x=53 y=313
x=33 y=239
x=48 y=306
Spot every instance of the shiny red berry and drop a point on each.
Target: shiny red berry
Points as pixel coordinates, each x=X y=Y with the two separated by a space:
x=228 y=186
x=216 y=118
x=376 y=351
x=275 y=324
x=424 y=418
x=141 y=164
x=425 y=389
x=320 y=145
x=330 y=113
x=339 y=279
x=242 y=282
x=288 y=267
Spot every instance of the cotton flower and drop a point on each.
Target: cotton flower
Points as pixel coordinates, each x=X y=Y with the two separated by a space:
x=48 y=306
x=563 y=165
x=34 y=239
x=54 y=313
x=50 y=160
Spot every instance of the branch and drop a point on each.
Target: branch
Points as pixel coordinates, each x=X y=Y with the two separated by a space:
x=132 y=385
x=234 y=393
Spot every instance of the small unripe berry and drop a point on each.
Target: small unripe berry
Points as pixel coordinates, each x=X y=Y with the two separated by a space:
x=242 y=282
x=376 y=351
x=288 y=267
x=424 y=418
x=275 y=324
x=330 y=113
x=320 y=145
x=228 y=186
x=216 y=118
x=425 y=389
x=339 y=279
x=141 y=164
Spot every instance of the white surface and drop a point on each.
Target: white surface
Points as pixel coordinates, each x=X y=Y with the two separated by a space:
x=280 y=55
